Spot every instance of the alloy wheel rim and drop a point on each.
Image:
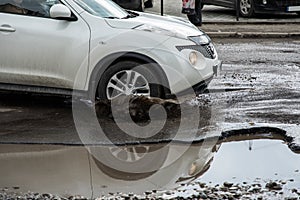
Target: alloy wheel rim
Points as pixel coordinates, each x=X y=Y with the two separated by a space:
x=245 y=6
x=127 y=82
x=129 y=154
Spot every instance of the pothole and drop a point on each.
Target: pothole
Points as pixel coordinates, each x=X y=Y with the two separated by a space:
x=233 y=169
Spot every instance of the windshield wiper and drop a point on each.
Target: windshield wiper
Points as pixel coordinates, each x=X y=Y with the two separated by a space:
x=128 y=16
x=131 y=14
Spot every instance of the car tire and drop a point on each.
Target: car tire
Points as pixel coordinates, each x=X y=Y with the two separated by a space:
x=131 y=162
x=141 y=7
x=148 y=4
x=246 y=8
x=117 y=72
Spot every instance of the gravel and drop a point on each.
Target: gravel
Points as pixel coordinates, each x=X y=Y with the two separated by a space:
x=197 y=190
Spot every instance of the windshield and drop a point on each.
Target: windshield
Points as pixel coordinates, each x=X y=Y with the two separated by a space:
x=103 y=8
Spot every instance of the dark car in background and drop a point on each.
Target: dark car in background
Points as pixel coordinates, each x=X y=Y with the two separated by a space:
x=138 y=5
x=248 y=8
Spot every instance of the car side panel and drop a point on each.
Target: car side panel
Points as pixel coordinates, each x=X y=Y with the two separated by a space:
x=44 y=51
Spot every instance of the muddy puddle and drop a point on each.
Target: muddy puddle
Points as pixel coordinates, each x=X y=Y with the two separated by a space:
x=258 y=168
x=41 y=153
x=234 y=167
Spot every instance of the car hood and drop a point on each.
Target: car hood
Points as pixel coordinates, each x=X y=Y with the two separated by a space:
x=177 y=26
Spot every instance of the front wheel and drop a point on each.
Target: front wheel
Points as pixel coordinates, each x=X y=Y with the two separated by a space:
x=246 y=8
x=128 y=78
x=130 y=163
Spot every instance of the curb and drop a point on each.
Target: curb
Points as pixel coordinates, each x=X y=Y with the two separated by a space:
x=253 y=34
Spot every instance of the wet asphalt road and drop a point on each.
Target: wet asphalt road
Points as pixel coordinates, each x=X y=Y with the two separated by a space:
x=259 y=85
x=266 y=75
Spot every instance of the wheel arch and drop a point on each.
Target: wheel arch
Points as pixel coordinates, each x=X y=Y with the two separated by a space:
x=112 y=59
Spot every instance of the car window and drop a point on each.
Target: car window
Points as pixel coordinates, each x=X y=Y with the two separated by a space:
x=40 y=8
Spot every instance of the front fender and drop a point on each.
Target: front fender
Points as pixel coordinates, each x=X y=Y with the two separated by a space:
x=110 y=60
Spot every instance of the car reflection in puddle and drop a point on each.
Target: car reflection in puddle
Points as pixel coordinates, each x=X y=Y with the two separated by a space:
x=94 y=171
x=69 y=170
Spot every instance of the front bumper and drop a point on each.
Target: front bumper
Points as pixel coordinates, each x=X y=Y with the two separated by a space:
x=181 y=74
x=201 y=87
x=217 y=68
x=198 y=88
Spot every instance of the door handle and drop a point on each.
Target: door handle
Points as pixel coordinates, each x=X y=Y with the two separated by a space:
x=7 y=28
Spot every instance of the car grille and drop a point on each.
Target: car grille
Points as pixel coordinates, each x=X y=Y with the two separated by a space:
x=284 y=3
x=207 y=51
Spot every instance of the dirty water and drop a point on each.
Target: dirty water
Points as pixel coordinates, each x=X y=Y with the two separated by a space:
x=247 y=169
x=94 y=171
x=258 y=160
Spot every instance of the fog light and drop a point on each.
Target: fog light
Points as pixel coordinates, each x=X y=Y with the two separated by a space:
x=264 y=2
x=193 y=57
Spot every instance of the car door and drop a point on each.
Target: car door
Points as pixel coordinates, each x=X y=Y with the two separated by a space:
x=40 y=51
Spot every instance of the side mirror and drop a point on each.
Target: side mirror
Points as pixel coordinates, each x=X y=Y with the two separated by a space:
x=60 y=11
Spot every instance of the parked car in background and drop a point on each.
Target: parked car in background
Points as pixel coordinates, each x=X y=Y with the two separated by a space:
x=94 y=47
x=248 y=8
x=138 y=5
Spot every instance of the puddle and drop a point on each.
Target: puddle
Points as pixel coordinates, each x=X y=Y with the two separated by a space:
x=259 y=160
x=97 y=170
x=167 y=171
x=247 y=169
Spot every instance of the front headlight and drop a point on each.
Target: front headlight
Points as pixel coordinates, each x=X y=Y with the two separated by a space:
x=201 y=39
